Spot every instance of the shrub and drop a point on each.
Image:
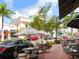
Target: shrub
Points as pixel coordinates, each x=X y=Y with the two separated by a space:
x=49 y=44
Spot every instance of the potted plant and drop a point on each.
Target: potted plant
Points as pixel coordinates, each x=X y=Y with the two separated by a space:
x=49 y=44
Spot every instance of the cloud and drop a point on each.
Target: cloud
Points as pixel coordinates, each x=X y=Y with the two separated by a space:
x=25 y=12
x=9 y=3
x=43 y=2
x=50 y=12
x=35 y=8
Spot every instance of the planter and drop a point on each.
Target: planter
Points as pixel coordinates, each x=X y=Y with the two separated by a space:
x=49 y=44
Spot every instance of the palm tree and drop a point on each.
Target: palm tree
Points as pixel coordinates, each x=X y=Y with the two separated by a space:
x=44 y=10
x=49 y=26
x=4 y=12
x=41 y=17
x=56 y=24
x=67 y=19
x=37 y=23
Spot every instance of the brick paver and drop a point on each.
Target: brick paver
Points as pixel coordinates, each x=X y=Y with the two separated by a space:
x=56 y=52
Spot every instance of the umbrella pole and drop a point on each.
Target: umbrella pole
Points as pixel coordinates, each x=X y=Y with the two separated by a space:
x=46 y=39
x=30 y=39
x=41 y=39
x=17 y=31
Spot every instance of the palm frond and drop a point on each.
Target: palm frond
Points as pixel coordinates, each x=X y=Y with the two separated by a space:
x=2 y=8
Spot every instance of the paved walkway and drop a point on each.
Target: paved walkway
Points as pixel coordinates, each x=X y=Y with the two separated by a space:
x=56 y=52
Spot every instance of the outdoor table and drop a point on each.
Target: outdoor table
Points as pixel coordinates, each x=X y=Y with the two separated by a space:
x=32 y=52
x=42 y=47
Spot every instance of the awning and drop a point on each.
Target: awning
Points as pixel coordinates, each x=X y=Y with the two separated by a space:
x=66 y=6
x=74 y=23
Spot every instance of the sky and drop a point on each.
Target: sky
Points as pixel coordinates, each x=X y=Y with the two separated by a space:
x=28 y=8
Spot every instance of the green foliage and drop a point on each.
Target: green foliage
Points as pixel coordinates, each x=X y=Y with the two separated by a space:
x=49 y=44
x=2 y=8
x=4 y=11
x=40 y=20
x=43 y=22
x=37 y=23
x=49 y=26
x=44 y=10
x=56 y=22
x=68 y=18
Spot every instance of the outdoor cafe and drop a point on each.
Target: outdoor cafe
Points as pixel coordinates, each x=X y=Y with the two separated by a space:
x=42 y=47
x=70 y=46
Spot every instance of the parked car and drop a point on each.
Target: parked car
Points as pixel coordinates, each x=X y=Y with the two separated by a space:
x=11 y=48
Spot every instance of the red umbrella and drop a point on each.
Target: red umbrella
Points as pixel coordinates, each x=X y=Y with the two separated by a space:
x=34 y=38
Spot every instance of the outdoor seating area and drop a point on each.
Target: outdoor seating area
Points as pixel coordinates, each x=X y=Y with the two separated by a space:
x=67 y=49
x=54 y=52
x=35 y=51
x=71 y=47
x=39 y=29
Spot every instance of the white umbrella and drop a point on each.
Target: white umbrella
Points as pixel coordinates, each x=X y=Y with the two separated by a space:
x=27 y=31
x=42 y=32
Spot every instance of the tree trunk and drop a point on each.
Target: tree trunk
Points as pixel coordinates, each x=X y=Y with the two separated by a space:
x=2 y=28
x=56 y=33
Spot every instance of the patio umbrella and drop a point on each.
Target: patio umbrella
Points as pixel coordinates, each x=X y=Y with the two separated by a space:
x=65 y=37
x=27 y=31
x=42 y=34
x=34 y=38
x=76 y=35
x=73 y=23
x=67 y=6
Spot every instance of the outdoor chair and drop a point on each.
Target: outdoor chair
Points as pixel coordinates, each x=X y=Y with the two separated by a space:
x=43 y=48
x=74 y=52
x=34 y=54
x=67 y=44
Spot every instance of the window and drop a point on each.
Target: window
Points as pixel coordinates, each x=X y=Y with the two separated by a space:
x=12 y=33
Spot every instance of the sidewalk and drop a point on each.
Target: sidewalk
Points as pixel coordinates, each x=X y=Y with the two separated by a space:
x=56 y=52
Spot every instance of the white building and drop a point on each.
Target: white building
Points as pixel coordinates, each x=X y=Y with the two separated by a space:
x=17 y=24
